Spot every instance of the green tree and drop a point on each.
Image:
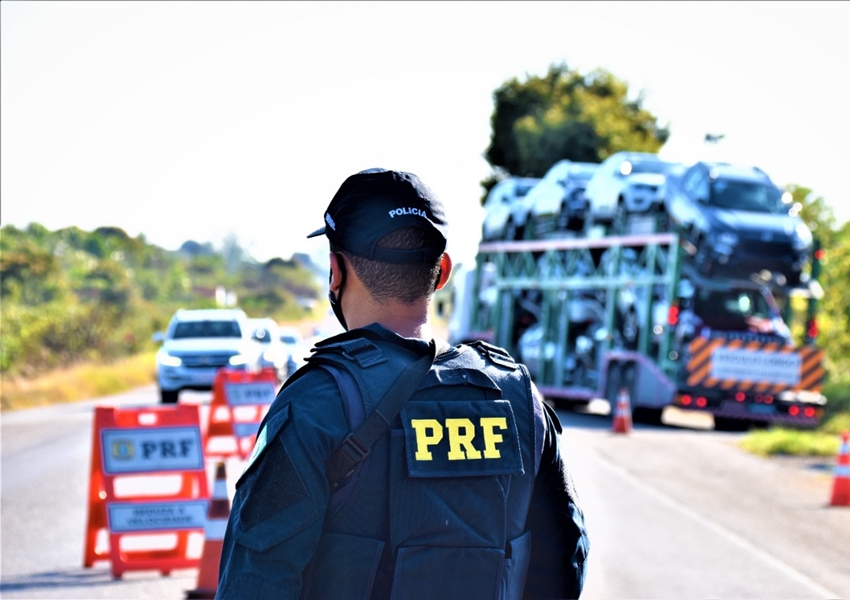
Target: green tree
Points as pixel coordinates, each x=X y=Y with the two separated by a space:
x=565 y=115
x=833 y=309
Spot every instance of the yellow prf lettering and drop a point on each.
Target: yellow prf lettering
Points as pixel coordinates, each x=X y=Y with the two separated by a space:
x=461 y=432
x=491 y=438
x=428 y=433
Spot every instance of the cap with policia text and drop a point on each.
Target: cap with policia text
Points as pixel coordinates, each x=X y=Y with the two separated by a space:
x=375 y=202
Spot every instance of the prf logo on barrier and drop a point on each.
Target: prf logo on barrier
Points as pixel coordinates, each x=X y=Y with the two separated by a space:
x=152 y=449
x=461 y=438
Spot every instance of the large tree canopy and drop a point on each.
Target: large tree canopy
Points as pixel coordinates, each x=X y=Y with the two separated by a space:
x=566 y=115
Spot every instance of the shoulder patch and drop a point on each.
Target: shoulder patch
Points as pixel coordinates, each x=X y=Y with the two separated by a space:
x=495 y=354
x=360 y=350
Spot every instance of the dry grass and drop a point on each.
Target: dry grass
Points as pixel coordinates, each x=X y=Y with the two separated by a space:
x=78 y=383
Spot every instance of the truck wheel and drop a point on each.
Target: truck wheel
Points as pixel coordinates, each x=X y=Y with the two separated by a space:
x=168 y=397
x=730 y=424
x=613 y=382
x=571 y=405
x=647 y=415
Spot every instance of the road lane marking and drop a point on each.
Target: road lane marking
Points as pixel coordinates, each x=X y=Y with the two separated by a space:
x=784 y=567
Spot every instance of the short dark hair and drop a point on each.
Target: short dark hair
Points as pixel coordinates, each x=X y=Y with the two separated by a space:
x=407 y=283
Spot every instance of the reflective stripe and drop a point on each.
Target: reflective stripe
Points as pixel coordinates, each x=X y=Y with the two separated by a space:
x=214 y=529
x=701 y=350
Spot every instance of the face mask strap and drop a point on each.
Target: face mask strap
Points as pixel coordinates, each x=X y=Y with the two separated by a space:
x=336 y=303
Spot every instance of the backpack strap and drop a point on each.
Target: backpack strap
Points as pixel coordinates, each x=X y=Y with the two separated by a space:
x=358 y=444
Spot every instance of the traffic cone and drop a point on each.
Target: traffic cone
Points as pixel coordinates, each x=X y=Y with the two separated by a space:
x=622 y=413
x=217 y=515
x=841 y=485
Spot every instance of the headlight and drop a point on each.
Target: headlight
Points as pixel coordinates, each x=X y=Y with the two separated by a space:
x=238 y=360
x=802 y=237
x=168 y=360
x=727 y=239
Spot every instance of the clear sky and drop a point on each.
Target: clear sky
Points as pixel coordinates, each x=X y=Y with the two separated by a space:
x=198 y=120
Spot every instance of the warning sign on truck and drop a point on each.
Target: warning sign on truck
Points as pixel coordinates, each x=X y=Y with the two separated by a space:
x=766 y=367
x=755 y=365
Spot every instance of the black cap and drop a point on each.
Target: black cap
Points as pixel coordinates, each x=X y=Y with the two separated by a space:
x=375 y=202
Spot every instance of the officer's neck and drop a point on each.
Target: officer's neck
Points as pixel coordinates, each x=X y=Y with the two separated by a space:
x=407 y=320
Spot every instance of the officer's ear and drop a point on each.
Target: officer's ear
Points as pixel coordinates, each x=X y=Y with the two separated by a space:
x=445 y=270
x=336 y=277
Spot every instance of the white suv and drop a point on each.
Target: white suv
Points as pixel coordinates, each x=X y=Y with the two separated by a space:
x=625 y=183
x=197 y=344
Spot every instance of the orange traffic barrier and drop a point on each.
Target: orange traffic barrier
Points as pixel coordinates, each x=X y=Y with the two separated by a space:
x=622 y=413
x=148 y=490
x=841 y=484
x=217 y=516
x=239 y=402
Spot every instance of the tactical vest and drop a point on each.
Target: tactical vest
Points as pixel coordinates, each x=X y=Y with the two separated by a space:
x=438 y=509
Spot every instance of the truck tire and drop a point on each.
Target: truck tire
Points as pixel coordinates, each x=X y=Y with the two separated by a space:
x=647 y=415
x=168 y=397
x=730 y=424
x=613 y=382
x=570 y=405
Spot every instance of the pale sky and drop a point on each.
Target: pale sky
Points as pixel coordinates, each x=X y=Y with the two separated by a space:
x=197 y=120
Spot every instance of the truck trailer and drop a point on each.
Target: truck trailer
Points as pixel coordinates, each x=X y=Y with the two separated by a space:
x=593 y=317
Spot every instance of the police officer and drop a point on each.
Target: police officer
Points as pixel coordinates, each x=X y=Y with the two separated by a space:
x=461 y=490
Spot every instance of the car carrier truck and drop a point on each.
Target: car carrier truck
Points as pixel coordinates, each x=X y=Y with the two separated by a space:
x=593 y=316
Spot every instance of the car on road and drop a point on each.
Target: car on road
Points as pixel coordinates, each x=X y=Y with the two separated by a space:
x=625 y=183
x=505 y=210
x=738 y=222
x=295 y=345
x=266 y=332
x=558 y=202
x=199 y=342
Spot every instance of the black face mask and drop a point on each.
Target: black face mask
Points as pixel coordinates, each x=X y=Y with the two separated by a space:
x=336 y=303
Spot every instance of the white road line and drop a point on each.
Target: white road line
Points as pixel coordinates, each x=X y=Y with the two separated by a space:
x=783 y=567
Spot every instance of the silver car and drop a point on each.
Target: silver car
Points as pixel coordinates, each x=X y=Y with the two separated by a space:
x=197 y=344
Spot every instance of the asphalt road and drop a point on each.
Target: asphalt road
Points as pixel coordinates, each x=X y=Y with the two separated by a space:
x=673 y=512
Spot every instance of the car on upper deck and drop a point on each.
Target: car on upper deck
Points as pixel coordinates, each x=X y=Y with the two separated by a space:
x=625 y=183
x=505 y=210
x=558 y=202
x=738 y=222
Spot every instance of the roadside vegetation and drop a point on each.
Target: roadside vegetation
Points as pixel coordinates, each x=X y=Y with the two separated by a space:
x=78 y=382
x=824 y=441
